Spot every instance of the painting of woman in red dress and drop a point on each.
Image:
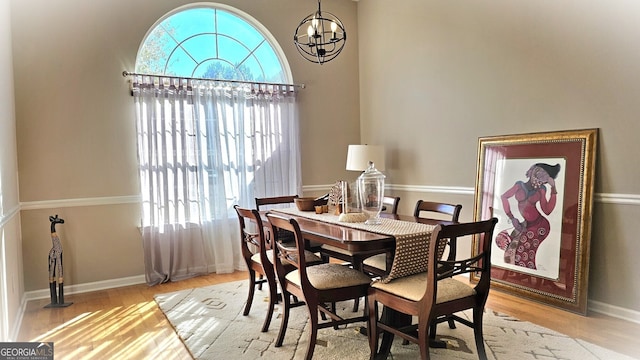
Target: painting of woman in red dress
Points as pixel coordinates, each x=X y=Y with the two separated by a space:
x=521 y=244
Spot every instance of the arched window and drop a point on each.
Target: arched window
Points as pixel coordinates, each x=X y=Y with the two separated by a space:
x=206 y=145
x=212 y=41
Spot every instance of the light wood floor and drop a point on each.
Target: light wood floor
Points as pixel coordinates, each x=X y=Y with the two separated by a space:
x=125 y=323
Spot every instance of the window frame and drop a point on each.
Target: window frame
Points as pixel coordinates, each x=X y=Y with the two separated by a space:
x=250 y=20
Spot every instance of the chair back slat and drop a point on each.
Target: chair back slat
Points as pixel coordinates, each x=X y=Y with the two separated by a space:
x=292 y=253
x=437 y=208
x=251 y=232
x=443 y=211
x=276 y=200
x=390 y=204
x=480 y=234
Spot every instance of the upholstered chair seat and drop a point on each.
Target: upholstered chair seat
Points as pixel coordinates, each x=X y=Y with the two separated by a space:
x=337 y=250
x=413 y=288
x=330 y=276
x=377 y=261
x=310 y=257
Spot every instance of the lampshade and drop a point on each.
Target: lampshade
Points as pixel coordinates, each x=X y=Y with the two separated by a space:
x=320 y=37
x=358 y=157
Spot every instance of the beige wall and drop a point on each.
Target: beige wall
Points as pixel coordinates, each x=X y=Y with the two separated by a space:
x=76 y=122
x=100 y=242
x=436 y=75
x=11 y=276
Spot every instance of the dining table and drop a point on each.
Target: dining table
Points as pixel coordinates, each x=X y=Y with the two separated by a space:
x=360 y=238
x=345 y=235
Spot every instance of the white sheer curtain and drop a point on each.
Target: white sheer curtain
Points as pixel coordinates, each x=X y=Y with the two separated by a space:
x=204 y=146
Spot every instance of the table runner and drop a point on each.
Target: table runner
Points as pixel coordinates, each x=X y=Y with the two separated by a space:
x=412 y=240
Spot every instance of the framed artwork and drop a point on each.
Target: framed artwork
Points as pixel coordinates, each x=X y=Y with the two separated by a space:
x=540 y=187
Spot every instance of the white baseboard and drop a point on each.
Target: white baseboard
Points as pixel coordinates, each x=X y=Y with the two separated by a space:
x=614 y=311
x=88 y=287
x=15 y=330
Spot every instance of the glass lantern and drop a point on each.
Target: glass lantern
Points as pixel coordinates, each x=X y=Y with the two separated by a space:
x=371 y=188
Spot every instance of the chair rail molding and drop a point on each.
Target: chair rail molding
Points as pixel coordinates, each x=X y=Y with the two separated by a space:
x=619 y=199
x=605 y=198
x=457 y=190
x=95 y=201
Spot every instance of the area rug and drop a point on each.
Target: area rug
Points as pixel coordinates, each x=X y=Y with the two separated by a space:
x=209 y=321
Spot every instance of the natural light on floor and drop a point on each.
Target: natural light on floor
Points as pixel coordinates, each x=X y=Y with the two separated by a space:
x=115 y=333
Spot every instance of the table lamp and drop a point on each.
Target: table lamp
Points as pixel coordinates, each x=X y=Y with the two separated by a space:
x=370 y=160
x=358 y=157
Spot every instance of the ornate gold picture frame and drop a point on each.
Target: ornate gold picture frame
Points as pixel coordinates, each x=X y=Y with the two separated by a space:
x=540 y=187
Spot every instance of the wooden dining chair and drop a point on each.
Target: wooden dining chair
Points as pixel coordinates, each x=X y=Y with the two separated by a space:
x=432 y=296
x=257 y=254
x=433 y=208
x=316 y=285
x=380 y=265
x=268 y=203
x=257 y=251
x=390 y=204
x=356 y=260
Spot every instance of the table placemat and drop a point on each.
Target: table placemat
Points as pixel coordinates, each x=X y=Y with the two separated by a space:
x=412 y=240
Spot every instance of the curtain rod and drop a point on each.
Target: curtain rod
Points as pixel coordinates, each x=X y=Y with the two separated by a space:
x=125 y=73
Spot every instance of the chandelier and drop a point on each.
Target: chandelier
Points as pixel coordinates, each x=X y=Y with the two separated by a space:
x=320 y=37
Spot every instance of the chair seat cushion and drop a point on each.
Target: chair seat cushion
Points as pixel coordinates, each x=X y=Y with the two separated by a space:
x=308 y=256
x=330 y=276
x=336 y=250
x=413 y=288
x=256 y=257
x=377 y=261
